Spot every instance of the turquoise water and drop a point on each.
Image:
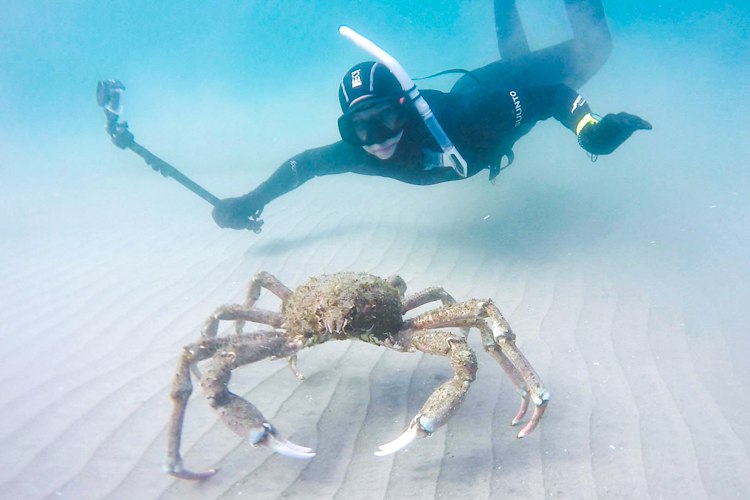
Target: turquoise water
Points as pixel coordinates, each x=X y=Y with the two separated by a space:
x=179 y=57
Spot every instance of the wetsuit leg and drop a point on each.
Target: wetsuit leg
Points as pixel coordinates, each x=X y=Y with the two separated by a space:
x=511 y=37
x=572 y=62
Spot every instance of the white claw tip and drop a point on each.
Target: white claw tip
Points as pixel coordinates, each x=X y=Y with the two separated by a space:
x=287 y=448
x=399 y=443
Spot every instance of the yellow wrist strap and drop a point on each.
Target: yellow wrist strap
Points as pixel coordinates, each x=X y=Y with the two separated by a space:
x=587 y=119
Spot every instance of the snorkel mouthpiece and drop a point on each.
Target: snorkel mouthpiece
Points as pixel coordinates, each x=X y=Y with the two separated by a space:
x=412 y=93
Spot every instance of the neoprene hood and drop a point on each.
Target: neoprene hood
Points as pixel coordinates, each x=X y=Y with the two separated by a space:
x=365 y=81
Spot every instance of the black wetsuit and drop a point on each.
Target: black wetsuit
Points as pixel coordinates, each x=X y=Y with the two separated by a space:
x=483 y=125
x=484 y=114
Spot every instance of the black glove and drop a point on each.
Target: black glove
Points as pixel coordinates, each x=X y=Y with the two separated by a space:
x=605 y=136
x=235 y=213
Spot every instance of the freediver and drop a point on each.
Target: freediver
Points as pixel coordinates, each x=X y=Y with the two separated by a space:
x=484 y=114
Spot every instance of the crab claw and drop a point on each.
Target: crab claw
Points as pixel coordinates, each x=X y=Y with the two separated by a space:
x=269 y=437
x=416 y=430
x=521 y=411
x=535 y=418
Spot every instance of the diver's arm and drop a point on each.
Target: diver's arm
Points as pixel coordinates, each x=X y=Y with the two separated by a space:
x=532 y=104
x=596 y=136
x=332 y=159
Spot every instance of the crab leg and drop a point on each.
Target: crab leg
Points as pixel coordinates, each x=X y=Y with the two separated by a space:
x=239 y=314
x=270 y=283
x=238 y=414
x=425 y=297
x=446 y=399
x=225 y=354
x=182 y=387
x=517 y=366
x=261 y=280
x=499 y=341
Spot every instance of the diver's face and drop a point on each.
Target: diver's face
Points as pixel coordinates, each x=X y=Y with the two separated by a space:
x=377 y=128
x=384 y=150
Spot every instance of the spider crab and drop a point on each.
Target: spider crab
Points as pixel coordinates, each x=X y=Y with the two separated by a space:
x=345 y=306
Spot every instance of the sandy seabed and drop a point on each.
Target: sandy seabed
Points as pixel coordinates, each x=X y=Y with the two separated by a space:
x=634 y=320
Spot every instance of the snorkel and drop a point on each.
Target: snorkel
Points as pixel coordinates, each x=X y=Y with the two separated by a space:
x=451 y=155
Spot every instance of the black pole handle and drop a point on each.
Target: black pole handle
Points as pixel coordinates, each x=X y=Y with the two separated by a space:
x=168 y=170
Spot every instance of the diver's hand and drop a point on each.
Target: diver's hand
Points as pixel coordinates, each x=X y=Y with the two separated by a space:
x=239 y=212
x=605 y=136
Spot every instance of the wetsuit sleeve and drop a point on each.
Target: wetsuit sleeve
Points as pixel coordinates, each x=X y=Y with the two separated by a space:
x=558 y=101
x=332 y=159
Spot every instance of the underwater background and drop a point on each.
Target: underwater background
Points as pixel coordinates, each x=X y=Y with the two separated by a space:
x=627 y=280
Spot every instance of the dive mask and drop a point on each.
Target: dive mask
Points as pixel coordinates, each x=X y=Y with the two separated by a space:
x=374 y=121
